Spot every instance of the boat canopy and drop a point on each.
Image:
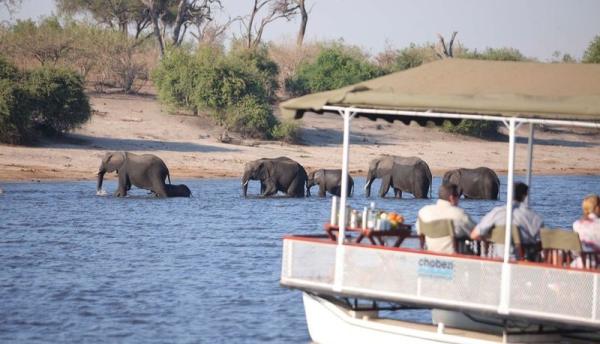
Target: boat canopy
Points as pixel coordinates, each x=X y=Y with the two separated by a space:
x=553 y=91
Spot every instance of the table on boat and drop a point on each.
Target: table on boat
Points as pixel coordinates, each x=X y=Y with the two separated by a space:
x=376 y=237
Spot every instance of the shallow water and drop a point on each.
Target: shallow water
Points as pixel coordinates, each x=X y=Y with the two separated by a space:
x=77 y=267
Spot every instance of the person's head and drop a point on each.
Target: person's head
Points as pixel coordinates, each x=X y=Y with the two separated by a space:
x=591 y=204
x=449 y=192
x=520 y=191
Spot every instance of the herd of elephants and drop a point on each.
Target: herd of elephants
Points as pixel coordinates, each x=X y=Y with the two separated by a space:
x=403 y=174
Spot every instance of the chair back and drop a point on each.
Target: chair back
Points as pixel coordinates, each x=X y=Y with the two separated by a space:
x=522 y=251
x=498 y=235
x=559 y=245
x=437 y=228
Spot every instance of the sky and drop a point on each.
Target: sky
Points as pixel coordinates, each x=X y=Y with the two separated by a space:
x=537 y=28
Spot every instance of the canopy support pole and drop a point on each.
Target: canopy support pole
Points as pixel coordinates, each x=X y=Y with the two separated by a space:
x=347 y=115
x=340 y=251
x=529 y=162
x=506 y=271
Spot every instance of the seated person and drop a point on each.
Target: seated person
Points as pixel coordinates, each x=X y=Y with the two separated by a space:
x=588 y=226
x=528 y=221
x=446 y=208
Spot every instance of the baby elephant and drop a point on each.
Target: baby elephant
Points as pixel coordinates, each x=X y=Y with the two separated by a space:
x=180 y=190
x=328 y=181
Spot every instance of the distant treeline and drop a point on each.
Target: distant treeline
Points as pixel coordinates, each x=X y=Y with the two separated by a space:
x=237 y=85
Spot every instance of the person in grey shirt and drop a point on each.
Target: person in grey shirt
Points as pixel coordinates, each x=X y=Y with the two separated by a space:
x=528 y=221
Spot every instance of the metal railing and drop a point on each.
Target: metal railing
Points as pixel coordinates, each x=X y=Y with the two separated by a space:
x=446 y=281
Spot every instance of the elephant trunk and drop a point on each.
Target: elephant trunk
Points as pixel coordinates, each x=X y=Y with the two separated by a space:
x=308 y=186
x=245 y=180
x=101 y=173
x=370 y=177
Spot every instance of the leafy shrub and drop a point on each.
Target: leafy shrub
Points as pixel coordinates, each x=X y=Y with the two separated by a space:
x=592 y=53
x=286 y=131
x=257 y=63
x=14 y=113
x=58 y=98
x=483 y=129
x=333 y=68
x=236 y=89
x=495 y=54
x=251 y=117
x=175 y=78
x=7 y=70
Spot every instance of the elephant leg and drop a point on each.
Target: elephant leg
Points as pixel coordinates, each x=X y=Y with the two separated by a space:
x=385 y=185
x=296 y=188
x=336 y=191
x=397 y=193
x=269 y=189
x=322 y=192
x=160 y=189
x=122 y=188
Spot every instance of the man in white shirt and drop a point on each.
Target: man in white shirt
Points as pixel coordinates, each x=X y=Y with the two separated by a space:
x=528 y=221
x=446 y=208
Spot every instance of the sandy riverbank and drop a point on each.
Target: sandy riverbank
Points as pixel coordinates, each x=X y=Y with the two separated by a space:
x=190 y=148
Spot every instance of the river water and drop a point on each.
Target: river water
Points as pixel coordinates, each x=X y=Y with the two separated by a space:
x=76 y=267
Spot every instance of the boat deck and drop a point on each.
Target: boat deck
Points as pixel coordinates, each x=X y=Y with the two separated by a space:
x=538 y=292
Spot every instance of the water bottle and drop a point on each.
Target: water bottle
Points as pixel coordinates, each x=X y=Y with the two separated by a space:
x=334 y=211
x=365 y=217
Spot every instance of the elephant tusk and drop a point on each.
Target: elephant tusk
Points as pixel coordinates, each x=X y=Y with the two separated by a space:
x=245 y=183
x=367 y=185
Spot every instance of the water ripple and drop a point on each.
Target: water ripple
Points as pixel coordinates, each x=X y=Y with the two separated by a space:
x=77 y=267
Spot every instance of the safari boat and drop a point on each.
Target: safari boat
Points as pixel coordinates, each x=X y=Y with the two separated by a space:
x=352 y=291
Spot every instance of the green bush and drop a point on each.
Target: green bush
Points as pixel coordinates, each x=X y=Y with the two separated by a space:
x=236 y=89
x=7 y=70
x=592 y=53
x=495 y=54
x=175 y=78
x=58 y=98
x=251 y=117
x=14 y=113
x=257 y=63
x=286 y=131
x=483 y=129
x=334 y=68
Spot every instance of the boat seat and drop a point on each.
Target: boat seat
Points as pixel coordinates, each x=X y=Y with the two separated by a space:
x=559 y=246
x=522 y=251
x=436 y=231
x=562 y=246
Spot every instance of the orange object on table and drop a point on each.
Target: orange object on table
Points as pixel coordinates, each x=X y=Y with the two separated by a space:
x=375 y=237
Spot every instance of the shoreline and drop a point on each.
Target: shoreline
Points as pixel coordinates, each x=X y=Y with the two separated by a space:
x=43 y=176
x=191 y=149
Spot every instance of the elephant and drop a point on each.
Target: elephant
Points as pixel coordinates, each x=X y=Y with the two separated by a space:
x=328 y=181
x=275 y=174
x=408 y=174
x=180 y=190
x=476 y=183
x=145 y=171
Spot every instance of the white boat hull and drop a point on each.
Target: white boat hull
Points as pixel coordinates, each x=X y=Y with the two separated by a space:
x=330 y=323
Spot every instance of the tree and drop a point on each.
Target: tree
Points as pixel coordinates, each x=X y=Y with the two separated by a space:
x=592 y=53
x=303 y=22
x=277 y=9
x=47 y=42
x=11 y=5
x=119 y=14
x=178 y=15
x=444 y=50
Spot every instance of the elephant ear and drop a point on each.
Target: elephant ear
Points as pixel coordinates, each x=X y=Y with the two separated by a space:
x=113 y=161
x=262 y=170
x=455 y=177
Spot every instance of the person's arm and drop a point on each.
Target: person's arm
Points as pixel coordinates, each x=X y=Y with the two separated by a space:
x=484 y=225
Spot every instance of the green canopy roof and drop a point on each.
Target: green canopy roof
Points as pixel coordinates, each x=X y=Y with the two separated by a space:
x=532 y=90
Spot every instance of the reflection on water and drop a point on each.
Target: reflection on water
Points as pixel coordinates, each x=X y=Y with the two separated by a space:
x=77 y=267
